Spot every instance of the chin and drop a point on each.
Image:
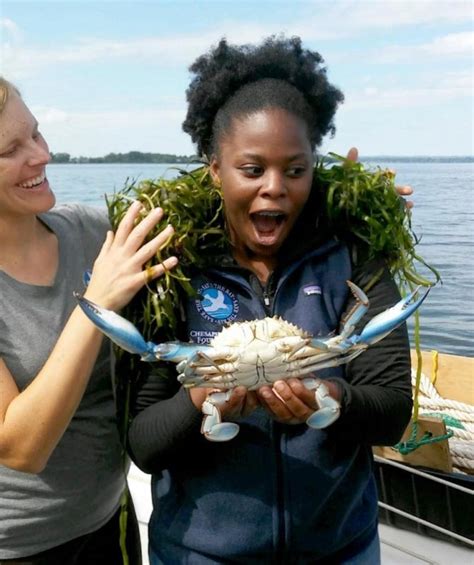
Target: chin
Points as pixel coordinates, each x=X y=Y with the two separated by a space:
x=264 y=250
x=47 y=203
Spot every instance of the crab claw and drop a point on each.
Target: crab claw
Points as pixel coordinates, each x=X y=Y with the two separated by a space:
x=385 y=322
x=213 y=428
x=118 y=329
x=125 y=335
x=329 y=408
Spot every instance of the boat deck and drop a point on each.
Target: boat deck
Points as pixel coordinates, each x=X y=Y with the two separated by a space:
x=399 y=547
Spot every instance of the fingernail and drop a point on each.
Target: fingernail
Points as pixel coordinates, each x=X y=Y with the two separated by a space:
x=280 y=387
x=266 y=393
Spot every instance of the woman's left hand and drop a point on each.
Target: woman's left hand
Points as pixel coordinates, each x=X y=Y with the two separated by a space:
x=288 y=402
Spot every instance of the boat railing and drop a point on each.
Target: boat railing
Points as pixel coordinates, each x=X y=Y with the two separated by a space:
x=416 y=515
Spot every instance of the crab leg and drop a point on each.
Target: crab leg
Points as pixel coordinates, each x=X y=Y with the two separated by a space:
x=356 y=313
x=125 y=335
x=375 y=330
x=213 y=428
x=309 y=365
x=385 y=322
x=329 y=407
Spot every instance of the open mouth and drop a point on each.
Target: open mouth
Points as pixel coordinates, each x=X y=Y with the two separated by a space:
x=268 y=227
x=267 y=222
x=34 y=182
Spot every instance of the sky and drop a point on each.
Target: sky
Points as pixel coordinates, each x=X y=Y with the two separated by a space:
x=108 y=76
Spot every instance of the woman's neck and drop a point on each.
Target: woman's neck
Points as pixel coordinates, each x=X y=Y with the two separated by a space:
x=261 y=267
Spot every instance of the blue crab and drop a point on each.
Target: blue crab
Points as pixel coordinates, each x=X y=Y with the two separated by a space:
x=257 y=353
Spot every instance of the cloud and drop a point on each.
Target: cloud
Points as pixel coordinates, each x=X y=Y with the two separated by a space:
x=21 y=60
x=10 y=28
x=46 y=115
x=10 y=35
x=317 y=21
x=395 y=13
x=431 y=91
x=454 y=45
x=98 y=133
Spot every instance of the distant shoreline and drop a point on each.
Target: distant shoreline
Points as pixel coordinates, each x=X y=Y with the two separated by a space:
x=419 y=159
x=135 y=157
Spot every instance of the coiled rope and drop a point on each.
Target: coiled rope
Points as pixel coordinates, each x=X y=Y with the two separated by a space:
x=458 y=418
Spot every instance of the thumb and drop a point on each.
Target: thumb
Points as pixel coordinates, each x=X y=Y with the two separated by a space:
x=353 y=154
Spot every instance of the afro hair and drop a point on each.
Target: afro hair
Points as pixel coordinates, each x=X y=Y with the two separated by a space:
x=231 y=81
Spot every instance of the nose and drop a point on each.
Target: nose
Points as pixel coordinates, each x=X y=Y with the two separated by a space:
x=39 y=153
x=273 y=185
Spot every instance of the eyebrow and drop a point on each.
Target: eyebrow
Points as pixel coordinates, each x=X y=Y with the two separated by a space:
x=291 y=158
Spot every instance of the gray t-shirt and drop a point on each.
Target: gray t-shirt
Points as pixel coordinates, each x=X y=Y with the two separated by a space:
x=80 y=488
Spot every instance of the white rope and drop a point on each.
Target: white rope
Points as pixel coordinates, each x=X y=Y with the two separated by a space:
x=435 y=405
x=460 y=449
x=428 y=389
x=463 y=435
x=462 y=462
x=461 y=445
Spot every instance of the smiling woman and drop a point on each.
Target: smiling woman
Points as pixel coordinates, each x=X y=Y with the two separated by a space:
x=59 y=443
x=24 y=154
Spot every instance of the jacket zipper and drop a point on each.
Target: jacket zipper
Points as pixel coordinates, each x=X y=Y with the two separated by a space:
x=268 y=296
x=280 y=494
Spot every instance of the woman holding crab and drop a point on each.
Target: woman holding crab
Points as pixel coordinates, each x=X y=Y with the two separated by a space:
x=279 y=492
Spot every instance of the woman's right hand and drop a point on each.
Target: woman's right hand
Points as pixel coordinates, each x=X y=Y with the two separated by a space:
x=118 y=272
x=240 y=404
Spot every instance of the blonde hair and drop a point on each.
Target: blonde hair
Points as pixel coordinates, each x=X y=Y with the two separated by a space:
x=5 y=89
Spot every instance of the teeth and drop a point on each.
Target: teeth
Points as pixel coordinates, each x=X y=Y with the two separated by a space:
x=269 y=213
x=33 y=182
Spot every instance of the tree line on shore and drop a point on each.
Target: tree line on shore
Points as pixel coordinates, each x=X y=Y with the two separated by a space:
x=139 y=157
x=130 y=157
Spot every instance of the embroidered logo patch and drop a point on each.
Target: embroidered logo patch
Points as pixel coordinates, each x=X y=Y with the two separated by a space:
x=311 y=289
x=217 y=304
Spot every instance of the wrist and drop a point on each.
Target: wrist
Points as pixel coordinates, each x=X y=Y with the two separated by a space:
x=198 y=396
x=334 y=389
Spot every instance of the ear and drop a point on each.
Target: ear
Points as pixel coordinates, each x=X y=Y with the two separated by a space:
x=215 y=171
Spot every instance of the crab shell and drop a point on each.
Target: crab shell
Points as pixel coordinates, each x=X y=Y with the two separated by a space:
x=244 y=334
x=251 y=354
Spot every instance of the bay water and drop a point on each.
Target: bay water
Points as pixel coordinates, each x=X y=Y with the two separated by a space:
x=443 y=220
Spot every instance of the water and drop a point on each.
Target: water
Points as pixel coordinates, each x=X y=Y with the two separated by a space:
x=87 y=183
x=443 y=218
